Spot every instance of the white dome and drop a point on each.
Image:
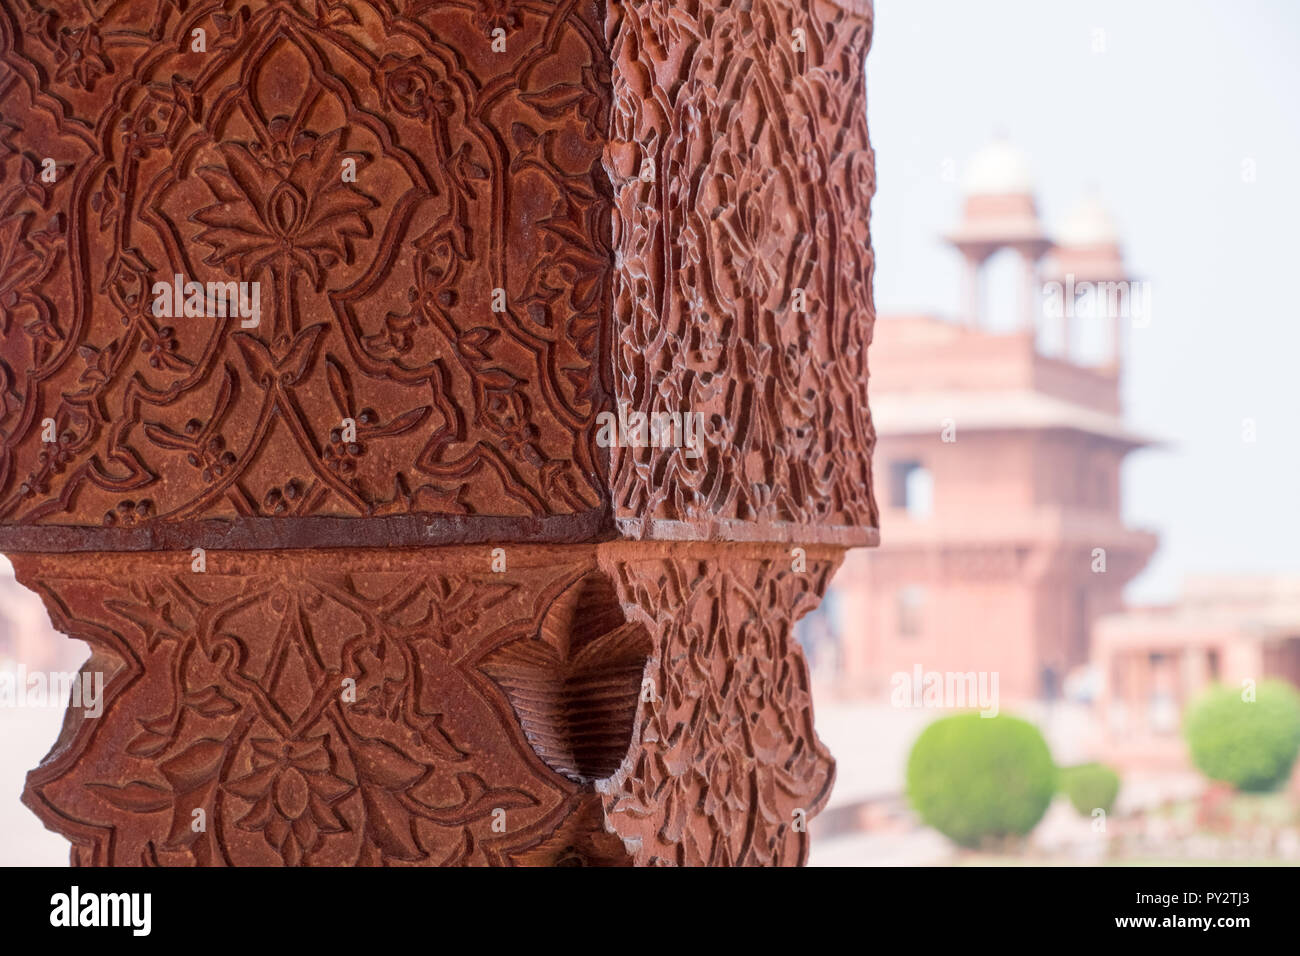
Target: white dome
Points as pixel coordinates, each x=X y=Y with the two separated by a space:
x=1088 y=224
x=999 y=169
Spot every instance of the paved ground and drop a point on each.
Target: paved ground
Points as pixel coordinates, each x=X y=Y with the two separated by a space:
x=921 y=848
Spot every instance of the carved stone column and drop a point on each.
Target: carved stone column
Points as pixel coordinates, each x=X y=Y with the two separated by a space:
x=411 y=563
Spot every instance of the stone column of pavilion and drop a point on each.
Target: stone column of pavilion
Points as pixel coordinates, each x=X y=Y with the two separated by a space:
x=480 y=540
x=999 y=212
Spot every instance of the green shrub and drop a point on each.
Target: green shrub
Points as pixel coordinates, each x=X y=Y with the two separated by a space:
x=1090 y=786
x=978 y=780
x=1249 y=744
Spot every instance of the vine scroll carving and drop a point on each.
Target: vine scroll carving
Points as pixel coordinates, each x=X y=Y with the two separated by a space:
x=342 y=520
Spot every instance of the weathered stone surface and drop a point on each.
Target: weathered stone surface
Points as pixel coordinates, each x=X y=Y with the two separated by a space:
x=476 y=170
x=657 y=193
x=621 y=703
x=649 y=209
x=742 y=284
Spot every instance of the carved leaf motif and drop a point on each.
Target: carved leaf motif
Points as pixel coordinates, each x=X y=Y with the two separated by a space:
x=137 y=796
x=384 y=775
x=381 y=764
x=575 y=686
x=290 y=369
x=211 y=702
x=390 y=825
x=195 y=767
x=478 y=800
x=401 y=424
x=148 y=743
x=151 y=614
x=334 y=13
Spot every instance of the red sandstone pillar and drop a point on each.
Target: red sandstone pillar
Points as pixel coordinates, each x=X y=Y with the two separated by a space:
x=412 y=562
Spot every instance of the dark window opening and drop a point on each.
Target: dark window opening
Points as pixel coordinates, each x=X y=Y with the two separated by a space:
x=911 y=487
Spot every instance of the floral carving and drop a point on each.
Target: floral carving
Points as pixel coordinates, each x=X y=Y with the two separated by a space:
x=410 y=88
x=501 y=236
x=343 y=708
x=293 y=791
x=81 y=57
x=283 y=203
x=726 y=758
x=22 y=266
x=231 y=167
x=618 y=211
x=743 y=266
x=294 y=706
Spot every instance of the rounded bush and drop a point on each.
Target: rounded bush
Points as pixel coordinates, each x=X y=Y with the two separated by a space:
x=1090 y=786
x=978 y=780
x=1251 y=744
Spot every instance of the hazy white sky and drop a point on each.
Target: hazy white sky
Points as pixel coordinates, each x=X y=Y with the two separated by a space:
x=1159 y=126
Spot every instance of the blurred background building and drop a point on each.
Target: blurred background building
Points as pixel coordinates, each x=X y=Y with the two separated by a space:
x=988 y=559
x=1155 y=660
x=997 y=467
x=1001 y=441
